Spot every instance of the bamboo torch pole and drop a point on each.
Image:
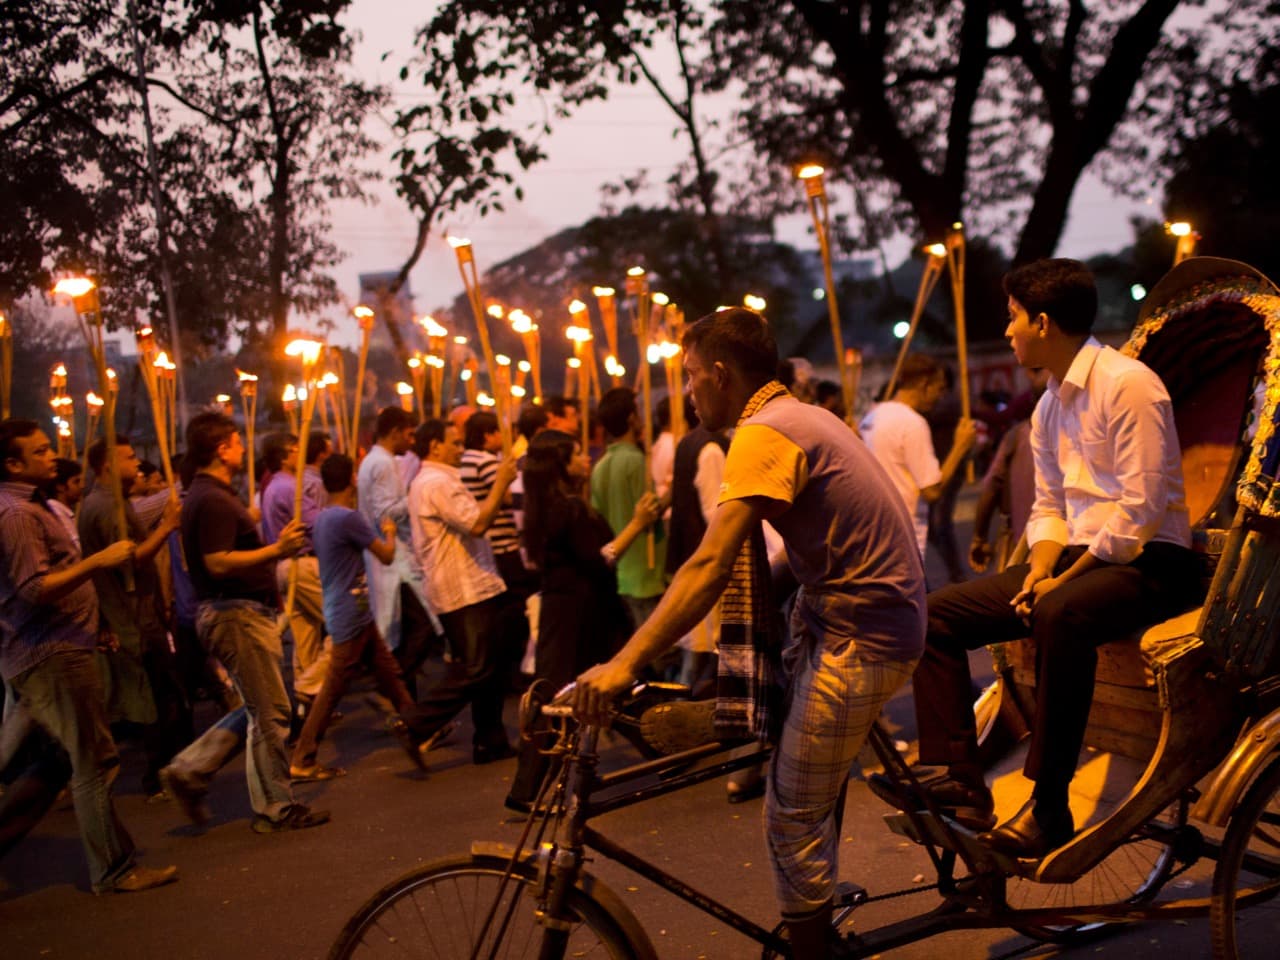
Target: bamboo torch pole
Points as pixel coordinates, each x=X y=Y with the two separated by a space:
x=249 y=403
x=93 y=415
x=816 y=193
x=365 y=317
x=309 y=351
x=581 y=339
x=955 y=259
x=524 y=327
x=437 y=344
x=418 y=378
x=471 y=281
x=6 y=364
x=84 y=297
x=148 y=363
x=607 y=301
x=937 y=259
x=638 y=287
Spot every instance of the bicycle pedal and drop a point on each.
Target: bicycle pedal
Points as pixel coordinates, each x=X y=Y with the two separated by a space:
x=848 y=894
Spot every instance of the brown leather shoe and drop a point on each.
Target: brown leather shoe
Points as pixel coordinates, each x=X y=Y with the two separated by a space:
x=141 y=878
x=968 y=805
x=1031 y=835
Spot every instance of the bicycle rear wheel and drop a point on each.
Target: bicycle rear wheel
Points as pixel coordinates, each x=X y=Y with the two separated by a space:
x=1245 y=916
x=438 y=912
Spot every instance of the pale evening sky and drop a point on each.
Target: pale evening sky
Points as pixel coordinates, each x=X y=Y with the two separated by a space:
x=602 y=142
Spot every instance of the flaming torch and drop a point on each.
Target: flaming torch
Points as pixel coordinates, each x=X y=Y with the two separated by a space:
x=528 y=331
x=581 y=338
x=84 y=298
x=471 y=281
x=309 y=351
x=437 y=344
x=249 y=404
x=811 y=175
x=6 y=364
x=364 y=316
x=933 y=266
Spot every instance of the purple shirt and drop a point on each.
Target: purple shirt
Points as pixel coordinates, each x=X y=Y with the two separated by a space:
x=277 y=504
x=33 y=544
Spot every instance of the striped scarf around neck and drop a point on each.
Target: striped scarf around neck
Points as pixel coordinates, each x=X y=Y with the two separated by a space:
x=748 y=696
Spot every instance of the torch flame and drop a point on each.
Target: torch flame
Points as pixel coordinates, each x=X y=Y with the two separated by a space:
x=432 y=328
x=74 y=287
x=309 y=350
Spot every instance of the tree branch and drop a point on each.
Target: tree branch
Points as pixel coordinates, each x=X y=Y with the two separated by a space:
x=46 y=103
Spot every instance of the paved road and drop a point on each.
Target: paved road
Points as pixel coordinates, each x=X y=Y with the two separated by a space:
x=252 y=897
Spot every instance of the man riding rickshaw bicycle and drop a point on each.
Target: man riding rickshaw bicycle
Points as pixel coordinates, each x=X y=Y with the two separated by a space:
x=857 y=632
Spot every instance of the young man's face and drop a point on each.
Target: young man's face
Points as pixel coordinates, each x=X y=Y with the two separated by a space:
x=36 y=461
x=449 y=450
x=705 y=385
x=932 y=392
x=493 y=441
x=567 y=424
x=1025 y=335
x=71 y=491
x=126 y=466
x=231 y=451
x=402 y=440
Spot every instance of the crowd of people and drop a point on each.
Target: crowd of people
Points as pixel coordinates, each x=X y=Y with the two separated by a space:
x=603 y=563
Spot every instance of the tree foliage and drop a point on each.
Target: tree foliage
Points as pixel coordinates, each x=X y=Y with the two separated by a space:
x=258 y=125
x=986 y=111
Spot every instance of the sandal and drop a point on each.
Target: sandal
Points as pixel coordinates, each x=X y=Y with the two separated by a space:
x=676 y=727
x=314 y=773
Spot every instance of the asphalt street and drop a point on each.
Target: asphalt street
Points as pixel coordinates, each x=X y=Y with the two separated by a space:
x=250 y=897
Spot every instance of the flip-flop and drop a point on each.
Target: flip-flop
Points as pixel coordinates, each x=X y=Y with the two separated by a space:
x=315 y=773
x=675 y=727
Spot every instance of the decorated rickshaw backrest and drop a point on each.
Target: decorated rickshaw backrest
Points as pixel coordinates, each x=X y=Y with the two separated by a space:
x=1216 y=345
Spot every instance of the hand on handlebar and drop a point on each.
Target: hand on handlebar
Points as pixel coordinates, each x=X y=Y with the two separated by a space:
x=596 y=689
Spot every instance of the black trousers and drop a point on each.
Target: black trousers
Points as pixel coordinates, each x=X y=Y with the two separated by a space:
x=1067 y=625
x=473 y=677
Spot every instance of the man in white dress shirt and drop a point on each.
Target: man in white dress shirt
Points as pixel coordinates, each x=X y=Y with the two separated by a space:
x=1110 y=552
x=463 y=586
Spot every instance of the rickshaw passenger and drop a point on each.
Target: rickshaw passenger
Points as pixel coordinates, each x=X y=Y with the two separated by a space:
x=858 y=624
x=1109 y=536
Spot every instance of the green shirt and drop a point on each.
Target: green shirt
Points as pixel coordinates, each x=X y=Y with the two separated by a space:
x=617 y=484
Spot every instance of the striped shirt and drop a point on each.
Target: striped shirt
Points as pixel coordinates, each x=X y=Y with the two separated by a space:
x=478 y=471
x=33 y=544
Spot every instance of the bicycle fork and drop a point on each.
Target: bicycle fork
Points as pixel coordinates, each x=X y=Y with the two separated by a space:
x=563 y=863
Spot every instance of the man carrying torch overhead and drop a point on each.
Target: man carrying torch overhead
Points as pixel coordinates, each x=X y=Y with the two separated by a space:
x=618 y=482
x=234 y=577
x=140 y=674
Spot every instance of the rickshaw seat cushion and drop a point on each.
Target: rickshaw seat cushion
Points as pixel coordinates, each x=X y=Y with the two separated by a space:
x=1130 y=661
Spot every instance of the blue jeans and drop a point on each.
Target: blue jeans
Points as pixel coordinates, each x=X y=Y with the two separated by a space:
x=63 y=693
x=242 y=635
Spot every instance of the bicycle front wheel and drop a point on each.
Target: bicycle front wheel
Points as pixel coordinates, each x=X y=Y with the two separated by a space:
x=439 y=911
